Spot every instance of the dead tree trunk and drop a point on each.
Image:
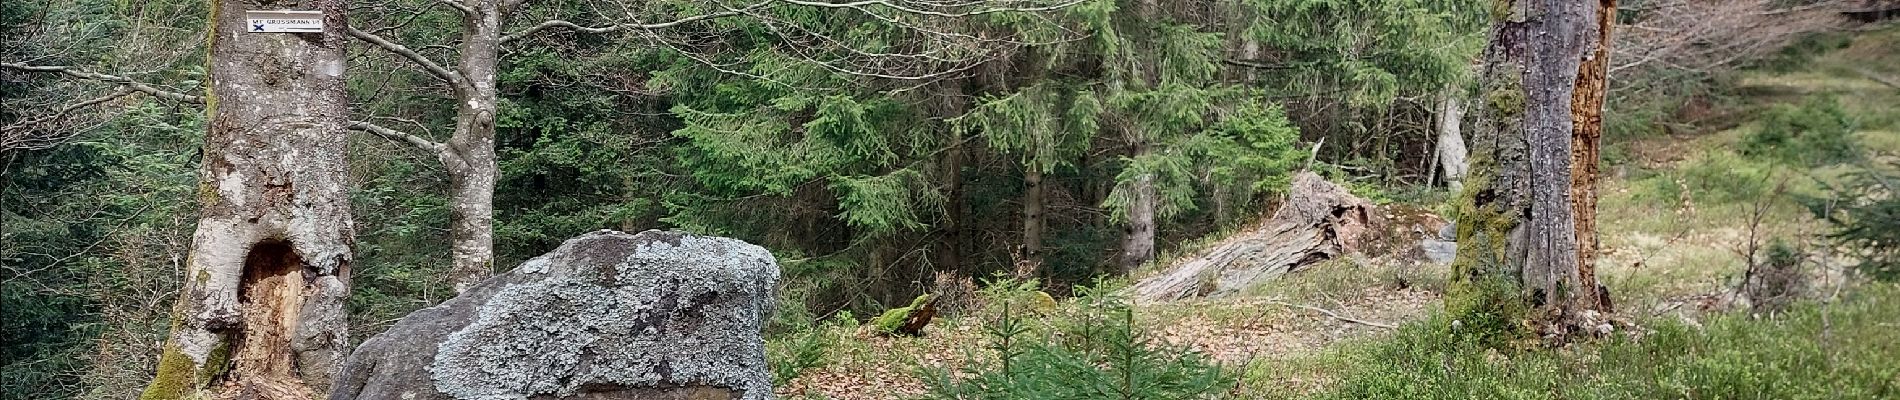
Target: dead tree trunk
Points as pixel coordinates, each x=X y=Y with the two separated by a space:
x=1451 y=142
x=1032 y=215
x=1521 y=234
x=1319 y=221
x=1586 y=107
x=261 y=314
x=1138 y=242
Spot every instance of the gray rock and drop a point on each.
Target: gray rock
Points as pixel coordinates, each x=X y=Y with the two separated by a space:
x=1439 y=251
x=608 y=315
x=1449 y=233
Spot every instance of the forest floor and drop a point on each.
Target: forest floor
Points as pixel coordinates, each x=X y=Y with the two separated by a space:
x=1681 y=213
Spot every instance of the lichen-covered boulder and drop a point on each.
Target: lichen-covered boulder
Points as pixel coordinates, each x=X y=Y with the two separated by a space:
x=608 y=315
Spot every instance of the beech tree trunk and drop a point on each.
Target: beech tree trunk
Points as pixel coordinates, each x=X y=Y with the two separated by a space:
x=469 y=155
x=261 y=314
x=1530 y=204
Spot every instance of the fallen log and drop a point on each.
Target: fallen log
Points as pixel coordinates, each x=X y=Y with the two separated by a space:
x=1319 y=221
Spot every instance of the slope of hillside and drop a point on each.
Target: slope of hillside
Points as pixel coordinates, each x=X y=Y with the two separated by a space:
x=1682 y=216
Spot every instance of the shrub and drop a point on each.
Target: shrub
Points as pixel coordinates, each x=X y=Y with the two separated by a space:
x=1801 y=53
x=791 y=354
x=1716 y=178
x=1098 y=353
x=1776 y=280
x=1863 y=212
x=1816 y=132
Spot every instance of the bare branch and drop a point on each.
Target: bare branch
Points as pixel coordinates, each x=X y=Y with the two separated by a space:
x=936 y=53
x=1335 y=315
x=458 y=5
x=414 y=15
x=960 y=52
x=1703 y=37
x=620 y=27
x=725 y=68
x=913 y=10
x=1877 y=77
x=431 y=66
x=395 y=135
x=124 y=81
x=902 y=77
x=32 y=134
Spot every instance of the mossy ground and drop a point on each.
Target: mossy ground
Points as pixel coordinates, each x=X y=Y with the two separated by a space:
x=894 y=318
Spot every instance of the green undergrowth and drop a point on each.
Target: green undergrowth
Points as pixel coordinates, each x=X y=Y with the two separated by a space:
x=1094 y=350
x=1677 y=211
x=1842 y=350
x=809 y=346
x=1679 y=193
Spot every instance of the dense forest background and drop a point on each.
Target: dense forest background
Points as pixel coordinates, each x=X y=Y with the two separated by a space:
x=879 y=154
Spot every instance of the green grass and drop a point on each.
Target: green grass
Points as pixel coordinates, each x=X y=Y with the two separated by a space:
x=1317 y=283
x=1672 y=228
x=1840 y=351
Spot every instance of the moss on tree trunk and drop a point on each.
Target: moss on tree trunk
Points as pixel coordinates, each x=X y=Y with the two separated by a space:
x=1526 y=234
x=262 y=313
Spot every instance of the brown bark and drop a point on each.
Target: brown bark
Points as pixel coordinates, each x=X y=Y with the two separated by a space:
x=916 y=319
x=261 y=314
x=1524 y=219
x=950 y=249
x=1587 y=117
x=1032 y=216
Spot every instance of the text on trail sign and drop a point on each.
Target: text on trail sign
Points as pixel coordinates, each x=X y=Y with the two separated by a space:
x=284 y=21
